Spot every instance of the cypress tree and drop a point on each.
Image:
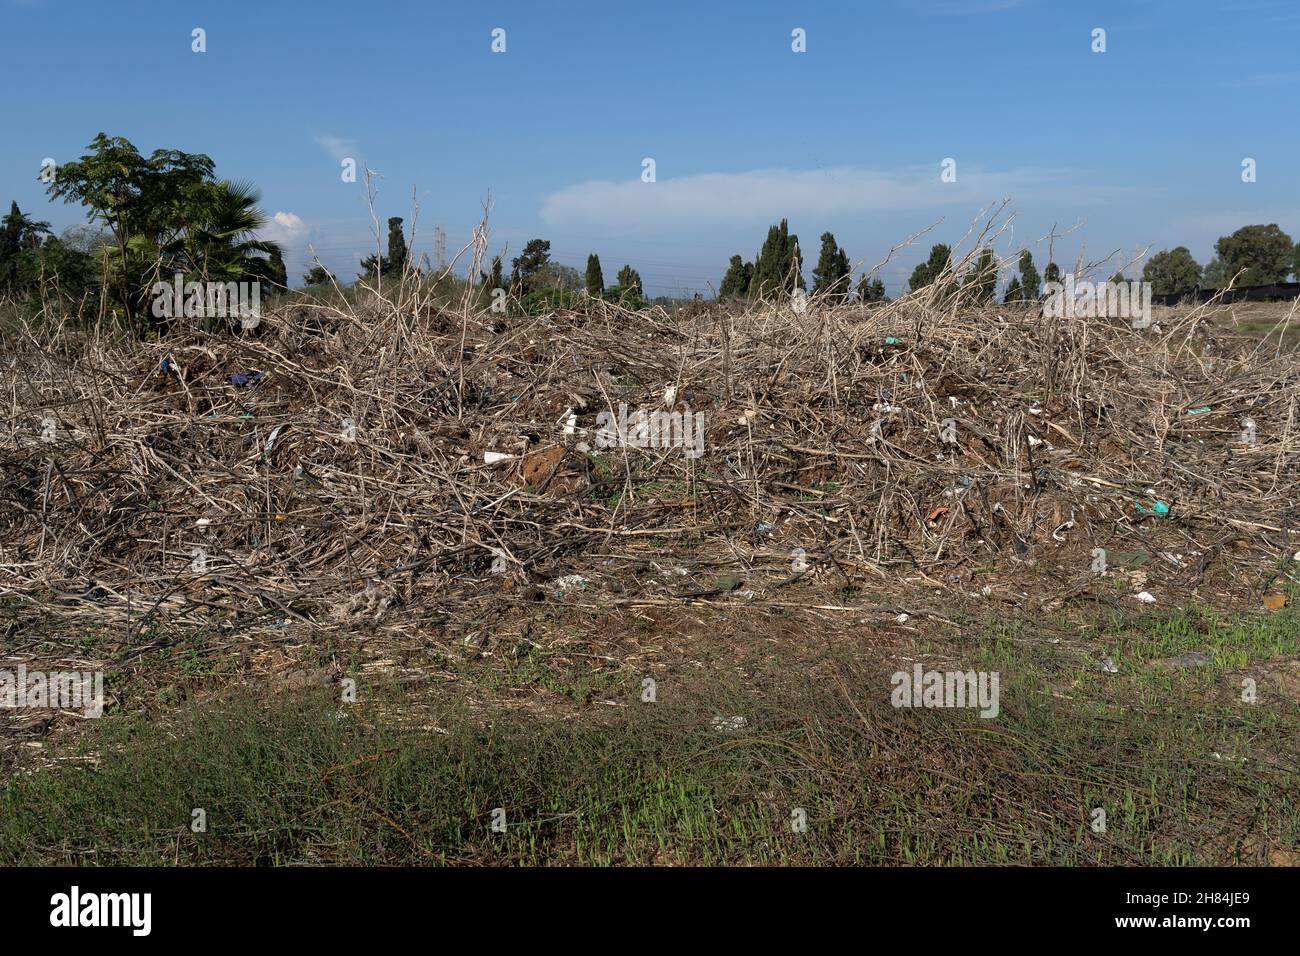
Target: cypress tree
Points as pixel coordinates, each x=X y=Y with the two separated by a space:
x=832 y=273
x=1052 y=273
x=397 y=254
x=778 y=267
x=630 y=280
x=595 y=279
x=871 y=290
x=735 y=284
x=984 y=278
x=1029 y=281
x=929 y=271
x=1014 y=293
x=278 y=273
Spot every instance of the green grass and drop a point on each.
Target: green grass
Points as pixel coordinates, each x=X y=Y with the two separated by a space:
x=398 y=779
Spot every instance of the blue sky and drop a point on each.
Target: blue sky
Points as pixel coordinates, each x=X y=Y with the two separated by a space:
x=1138 y=146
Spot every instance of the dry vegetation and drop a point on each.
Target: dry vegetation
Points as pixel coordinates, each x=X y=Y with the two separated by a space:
x=335 y=516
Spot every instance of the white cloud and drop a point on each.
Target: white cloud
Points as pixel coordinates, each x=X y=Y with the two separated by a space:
x=768 y=194
x=286 y=228
x=338 y=147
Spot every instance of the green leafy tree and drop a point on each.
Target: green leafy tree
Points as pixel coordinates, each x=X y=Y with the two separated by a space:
x=526 y=265
x=1172 y=272
x=831 y=277
x=595 y=278
x=1264 y=254
x=1052 y=273
x=148 y=206
x=1030 y=282
x=1215 y=275
x=735 y=284
x=1295 y=263
x=59 y=265
x=19 y=233
x=317 y=275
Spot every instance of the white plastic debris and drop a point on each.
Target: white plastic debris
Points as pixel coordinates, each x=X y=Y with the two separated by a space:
x=670 y=395
x=493 y=457
x=570 y=581
x=203 y=522
x=270 y=442
x=570 y=422
x=1109 y=666
x=902 y=619
x=723 y=724
x=1145 y=597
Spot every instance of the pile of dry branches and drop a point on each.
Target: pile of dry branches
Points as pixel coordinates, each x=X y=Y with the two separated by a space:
x=409 y=465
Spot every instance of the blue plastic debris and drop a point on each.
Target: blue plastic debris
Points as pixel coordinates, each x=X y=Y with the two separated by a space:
x=891 y=340
x=240 y=379
x=1159 y=509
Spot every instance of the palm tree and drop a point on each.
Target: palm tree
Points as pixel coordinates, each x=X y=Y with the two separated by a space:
x=219 y=242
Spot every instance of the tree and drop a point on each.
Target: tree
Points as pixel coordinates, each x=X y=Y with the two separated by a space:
x=595 y=278
x=871 y=290
x=18 y=233
x=317 y=275
x=630 y=280
x=1117 y=278
x=1172 y=272
x=373 y=265
x=1029 y=281
x=526 y=265
x=220 y=242
x=279 y=272
x=1215 y=275
x=735 y=284
x=1295 y=263
x=493 y=280
x=929 y=271
x=1052 y=273
x=146 y=204
x=832 y=275
x=398 y=256
x=1265 y=253
x=982 y=280
x=1014 y=292
x=778 y=267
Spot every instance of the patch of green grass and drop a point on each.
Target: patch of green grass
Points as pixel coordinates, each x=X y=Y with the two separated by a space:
x=415 y=779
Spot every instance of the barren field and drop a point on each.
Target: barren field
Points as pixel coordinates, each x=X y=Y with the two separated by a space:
x=373 y=586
